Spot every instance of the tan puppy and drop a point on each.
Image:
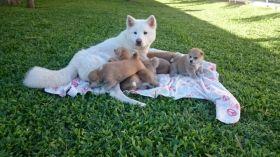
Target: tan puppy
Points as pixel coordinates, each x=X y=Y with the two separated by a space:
x=164 y=55
x=189 y=64
x=164 y=61
x=163 y=67
x=143 y=79
x=131 y=83
x=121 y=53
x=113 y=73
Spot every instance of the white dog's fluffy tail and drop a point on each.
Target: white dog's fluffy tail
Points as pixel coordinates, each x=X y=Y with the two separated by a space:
x=39 y=77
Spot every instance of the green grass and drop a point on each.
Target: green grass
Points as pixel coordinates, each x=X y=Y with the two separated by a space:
x=242 y=40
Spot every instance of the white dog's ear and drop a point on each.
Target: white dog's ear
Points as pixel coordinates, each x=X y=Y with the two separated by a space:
x=151 y=20
x=130 y=21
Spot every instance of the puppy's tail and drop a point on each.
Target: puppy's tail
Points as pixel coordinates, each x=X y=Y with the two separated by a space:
x=38 y=77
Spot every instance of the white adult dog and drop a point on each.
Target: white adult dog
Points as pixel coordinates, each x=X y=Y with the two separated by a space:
x=139 y=35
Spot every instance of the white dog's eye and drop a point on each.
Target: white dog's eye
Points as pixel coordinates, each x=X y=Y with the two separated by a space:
x=145 y=32
x=135 y=33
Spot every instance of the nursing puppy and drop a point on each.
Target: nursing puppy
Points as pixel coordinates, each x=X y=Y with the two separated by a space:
x=143 y=79
x=163 y=54
x=163 y=67
x=164 y=61
x=138 y=35
x=114 y=72
x=121 y=54
x=189 y=64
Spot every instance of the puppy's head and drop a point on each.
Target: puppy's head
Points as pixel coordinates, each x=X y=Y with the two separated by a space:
x=94 y=76
x=195 y=56
x=148 y=75
x=130 y=83
x=148 y=79
x=122 y=53
x=152 y=64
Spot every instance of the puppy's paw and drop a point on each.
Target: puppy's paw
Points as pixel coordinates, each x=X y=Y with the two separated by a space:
x=156 y=84
x=199 y=71
x=199 y=75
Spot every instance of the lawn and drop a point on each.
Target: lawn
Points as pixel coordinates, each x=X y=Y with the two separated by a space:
x=243 y=41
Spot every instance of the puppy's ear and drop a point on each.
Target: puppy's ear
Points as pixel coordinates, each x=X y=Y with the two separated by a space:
x=151 y=20
x=155 y=62
x=201 y=53
x=130 y=21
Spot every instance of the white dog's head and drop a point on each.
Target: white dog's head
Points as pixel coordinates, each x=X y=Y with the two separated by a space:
x=141 y=33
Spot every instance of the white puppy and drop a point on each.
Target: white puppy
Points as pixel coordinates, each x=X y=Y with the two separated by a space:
x=138 y=36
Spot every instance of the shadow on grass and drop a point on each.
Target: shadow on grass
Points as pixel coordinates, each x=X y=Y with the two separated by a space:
x=232 y=5
x=192 y=10
x=260 y=17
x=266 y=39
x=194 y=2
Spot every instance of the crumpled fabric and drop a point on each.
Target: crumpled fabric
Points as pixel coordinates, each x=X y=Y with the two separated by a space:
x=206 y=86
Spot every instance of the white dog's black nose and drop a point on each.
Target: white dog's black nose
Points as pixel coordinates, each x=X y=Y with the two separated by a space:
x=138 y=42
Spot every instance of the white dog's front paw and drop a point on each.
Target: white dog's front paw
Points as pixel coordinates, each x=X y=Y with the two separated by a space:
x=141 y=104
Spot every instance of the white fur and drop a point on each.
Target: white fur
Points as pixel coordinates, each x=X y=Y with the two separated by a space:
x=134 y=84
x=94 y=57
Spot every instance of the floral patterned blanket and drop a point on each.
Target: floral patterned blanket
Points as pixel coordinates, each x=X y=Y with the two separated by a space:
x=205 y=87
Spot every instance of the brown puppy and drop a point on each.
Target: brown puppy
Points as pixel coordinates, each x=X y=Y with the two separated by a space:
x=163 y=67
x=143 y=79
x=164 y=55
x=131 y=83
x=164 y=61
x=121 y=53
x=113 y=73
x=189 y=64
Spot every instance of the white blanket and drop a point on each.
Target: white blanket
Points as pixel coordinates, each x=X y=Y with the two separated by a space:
x=205 y=87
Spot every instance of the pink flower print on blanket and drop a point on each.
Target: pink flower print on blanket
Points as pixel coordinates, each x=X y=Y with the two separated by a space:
x=231 y=112
x=225 y=98
x=85 y=90
x=170 y=88
x=212 y=67
x=75 y=82
x=233 y=109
